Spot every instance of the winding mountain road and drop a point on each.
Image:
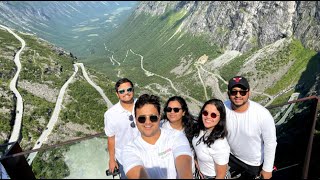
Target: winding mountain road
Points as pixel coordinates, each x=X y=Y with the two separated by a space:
x=148 y=73
x=106 y=99
x=54 y=118
x=19 y=105
x=55 y=115
x=56 y=112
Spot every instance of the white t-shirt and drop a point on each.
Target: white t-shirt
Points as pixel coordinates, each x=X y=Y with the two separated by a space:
x=117 y=123
x=218 y=153
x=157 y=159
x=252 y=135
x=165 y=124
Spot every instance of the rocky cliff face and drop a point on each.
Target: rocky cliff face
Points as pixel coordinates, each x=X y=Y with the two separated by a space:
x=242 y=25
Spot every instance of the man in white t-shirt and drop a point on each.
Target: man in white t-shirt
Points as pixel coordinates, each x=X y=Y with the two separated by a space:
x=251 y=133
x=157 y=153
x=119 y=124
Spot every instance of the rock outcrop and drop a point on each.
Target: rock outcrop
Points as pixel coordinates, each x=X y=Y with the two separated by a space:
x=242 y=25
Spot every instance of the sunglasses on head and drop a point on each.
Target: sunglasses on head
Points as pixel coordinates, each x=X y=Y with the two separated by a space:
x=213 y=115
x=122 y=91
x=242 y=92
x=169 y=109
x=142 y=119
x=132 y=123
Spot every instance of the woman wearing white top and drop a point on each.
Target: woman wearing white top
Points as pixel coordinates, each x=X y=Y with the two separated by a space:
x=176 y=116
x=209 y=141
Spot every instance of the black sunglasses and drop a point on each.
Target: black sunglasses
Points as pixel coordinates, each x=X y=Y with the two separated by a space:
x=142 y=119
x=169 y=109
x=132 y=123
x=213 y=115
x=122 y=91
x=242 y=92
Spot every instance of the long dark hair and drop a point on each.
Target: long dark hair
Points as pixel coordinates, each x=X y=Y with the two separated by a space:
x=219 y=131
x=187 y=119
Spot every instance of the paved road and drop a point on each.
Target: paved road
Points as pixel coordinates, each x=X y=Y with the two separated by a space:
x=55 y=115
x=148 y=73
x=203 y=85
x=19 y=105
x=294 y=96
x=216 y=88
x=106 y=99
x=56 y=112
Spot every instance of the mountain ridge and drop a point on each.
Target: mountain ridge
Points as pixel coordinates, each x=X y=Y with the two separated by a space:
x=233 y=25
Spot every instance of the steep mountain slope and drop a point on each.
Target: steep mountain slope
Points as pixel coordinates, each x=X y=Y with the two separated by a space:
x=241 y=25
x=187 y=48
x=191 y=43
x=77 y=26
x=45 y=68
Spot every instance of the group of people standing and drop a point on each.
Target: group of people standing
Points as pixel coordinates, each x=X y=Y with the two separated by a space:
x=236 y=138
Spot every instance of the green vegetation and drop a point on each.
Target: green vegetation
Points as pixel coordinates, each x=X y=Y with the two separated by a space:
x=282 y=98
x=174 y=17
x=260 y=98
x=223 y=87
x=105 y=83
x=42 y=64
x=9 y=44
x=87 y=106
x=162 y=46
x=7 y=39
x=37 y=112
x=45 y=64
x=301 y=57
x=50 y=164
x=233 y=67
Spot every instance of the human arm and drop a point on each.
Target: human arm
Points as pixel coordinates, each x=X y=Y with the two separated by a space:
x=184 y=166
x=137 y=172
x=270 y=144
x=221 y=170
x=220 y=153
x=109 y=128
x=111 y=149
x=198 y=168
x=183 y=156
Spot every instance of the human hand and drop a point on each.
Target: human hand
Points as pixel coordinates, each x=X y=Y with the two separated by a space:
x=113 y=165
x=265 y=175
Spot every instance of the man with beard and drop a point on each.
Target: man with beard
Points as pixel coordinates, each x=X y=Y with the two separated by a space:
x=119 y=124
x=251 y=133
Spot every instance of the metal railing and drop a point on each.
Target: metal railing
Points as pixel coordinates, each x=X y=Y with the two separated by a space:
x=310 y=124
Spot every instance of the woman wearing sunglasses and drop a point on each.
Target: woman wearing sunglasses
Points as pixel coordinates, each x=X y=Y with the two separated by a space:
x=156 y=153
x=176 y=116
x=209 y=141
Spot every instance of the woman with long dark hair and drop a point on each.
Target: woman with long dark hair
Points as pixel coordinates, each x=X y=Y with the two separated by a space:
x=209 y=141
x=176 y=115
